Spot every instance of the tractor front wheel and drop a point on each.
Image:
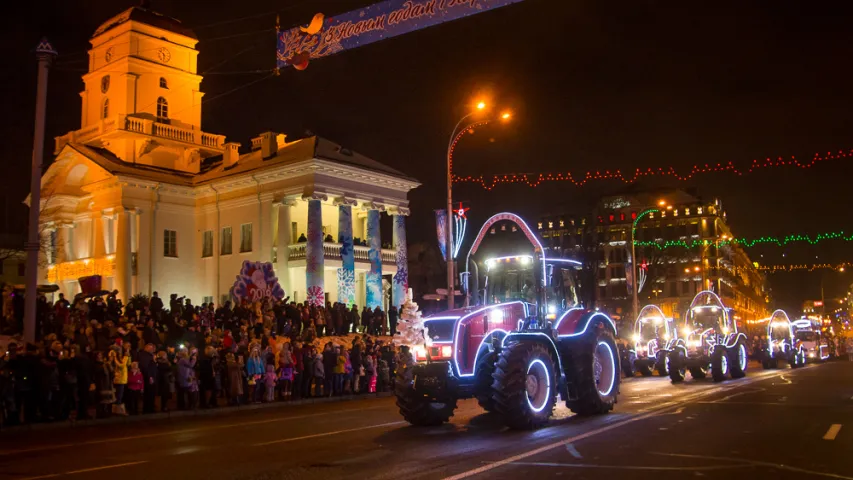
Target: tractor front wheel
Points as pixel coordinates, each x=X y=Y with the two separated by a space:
x=483 y=386
x=414 y=408
x=677 y=370
x=524 y=385
x=719 y=364
x=739 y=360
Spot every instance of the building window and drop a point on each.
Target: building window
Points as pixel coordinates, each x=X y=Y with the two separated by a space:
x=105 y=109
x=207 y=244
x=246 y=238
x=226 y=242
x=163 y=83
x=207 y=299
x=170 y=243
x=162 y=108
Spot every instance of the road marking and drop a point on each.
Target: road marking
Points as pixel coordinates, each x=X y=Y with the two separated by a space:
x=628 y=467
x=317 y=435
x=678 y=412
x=779 y=466
x=177 y=432
x=609 y=427
x=85 y=470
x=751 y=390
x=574 y=451
x=832 y=432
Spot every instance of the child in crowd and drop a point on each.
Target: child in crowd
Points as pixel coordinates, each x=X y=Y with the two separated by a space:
x=135 y=384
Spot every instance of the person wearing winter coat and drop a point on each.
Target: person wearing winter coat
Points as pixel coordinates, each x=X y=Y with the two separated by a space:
x=340 y=370
x=286 y=364
x=330 y=361
x=383 y=374
x=186 y=377
x=150 y=370
x=103 y=382
x=270 y=379
x=207 y=377
x=83 y=367
x=355 y=358
x=68 y=384
x=135 y=385
x=121 y=364
x=318 y=370
x=255 y=368
x=165 y=380
x=235 y=379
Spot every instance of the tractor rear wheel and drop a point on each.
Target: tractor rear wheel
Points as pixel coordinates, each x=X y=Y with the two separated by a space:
x=739 y=360
x=677 y=371
x=414 y=408
x=594 y=373
x=524 y=385
x=719 y=364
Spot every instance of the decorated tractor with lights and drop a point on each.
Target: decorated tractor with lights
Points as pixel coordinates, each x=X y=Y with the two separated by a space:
x=647 y=351
x=782 y=344
x=523 y=340
x=808 y=335
x=708 y=341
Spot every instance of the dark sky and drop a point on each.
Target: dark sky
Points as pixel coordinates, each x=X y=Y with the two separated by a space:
x=594 y=85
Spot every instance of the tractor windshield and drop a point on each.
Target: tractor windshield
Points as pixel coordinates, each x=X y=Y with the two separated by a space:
x=807 y=336
x=509 y=279
x=562 y=285
x=705 y=317
x=780 y=331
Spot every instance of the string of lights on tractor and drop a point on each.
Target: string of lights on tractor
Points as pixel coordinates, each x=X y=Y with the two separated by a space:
x=747 y=242
x=535 y=180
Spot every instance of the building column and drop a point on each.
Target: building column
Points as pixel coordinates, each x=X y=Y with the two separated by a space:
x=123 y=267
x=346 y=274
x=401 y=278
x=374 y=241
x=314 y=256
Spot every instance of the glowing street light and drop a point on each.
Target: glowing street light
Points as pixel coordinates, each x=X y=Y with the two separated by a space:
x=481 y=105
x=506 y=116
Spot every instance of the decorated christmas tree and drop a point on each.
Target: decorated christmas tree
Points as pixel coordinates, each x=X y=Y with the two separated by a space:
x=410 y=327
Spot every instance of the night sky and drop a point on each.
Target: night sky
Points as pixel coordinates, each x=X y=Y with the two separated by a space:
x=593 y=85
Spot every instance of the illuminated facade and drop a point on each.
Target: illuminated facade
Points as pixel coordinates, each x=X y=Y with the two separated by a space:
x=141 y=195
x=671 y=276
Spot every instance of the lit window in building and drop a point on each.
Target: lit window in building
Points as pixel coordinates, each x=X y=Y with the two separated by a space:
x=550 y=224
x=687 y=211
x=170 y=243
x=562 y=223
x=207 y=244
x=651 y=214
x=226 y=245
x=699 y=210
x=540 y=225
x=611 y=218
x=162 y=108
x=246 y=237
x=163 y=83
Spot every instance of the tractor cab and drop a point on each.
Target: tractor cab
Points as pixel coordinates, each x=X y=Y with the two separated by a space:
x=781 y=343
x=807 y=332
x=653 y=332
x=706 y=324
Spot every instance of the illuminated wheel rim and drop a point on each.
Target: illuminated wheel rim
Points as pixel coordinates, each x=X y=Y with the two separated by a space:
x=724 y=364
x=538 y=385
x=604 y=368
x=666 y=363
x=741 y=357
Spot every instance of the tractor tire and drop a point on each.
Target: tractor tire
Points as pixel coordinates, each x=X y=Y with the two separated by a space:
x=594 y=373
x=662 y=364
x=677 y=371
x=414 y=408
x=645 y=370
x=525 y=385
x=739 y=360
x=699 y=373
x=774 y=362
x=798 y=359
x=765 y=364
x=483 y=383
x=719 y=364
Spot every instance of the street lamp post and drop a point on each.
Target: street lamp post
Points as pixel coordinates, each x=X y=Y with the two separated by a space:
x=454 y=137
x=635 y=304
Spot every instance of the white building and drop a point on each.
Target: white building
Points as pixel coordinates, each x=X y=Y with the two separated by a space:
x=141 y=195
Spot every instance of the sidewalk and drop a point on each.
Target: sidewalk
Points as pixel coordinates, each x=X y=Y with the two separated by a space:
x=177 y=414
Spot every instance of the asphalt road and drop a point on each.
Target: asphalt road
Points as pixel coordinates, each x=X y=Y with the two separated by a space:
x=773 y=424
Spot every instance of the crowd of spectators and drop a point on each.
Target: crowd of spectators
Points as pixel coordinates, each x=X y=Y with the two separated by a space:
x=96 y=357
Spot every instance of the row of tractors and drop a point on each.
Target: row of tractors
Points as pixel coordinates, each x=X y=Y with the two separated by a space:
x=524 y=339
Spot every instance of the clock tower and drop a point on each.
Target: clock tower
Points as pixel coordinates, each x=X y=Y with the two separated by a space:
x=142 y=99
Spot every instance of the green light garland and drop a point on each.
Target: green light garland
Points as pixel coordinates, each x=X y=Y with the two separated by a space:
x=747 y=242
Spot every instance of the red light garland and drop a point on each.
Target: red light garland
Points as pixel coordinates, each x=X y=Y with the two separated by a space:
x=534 y=180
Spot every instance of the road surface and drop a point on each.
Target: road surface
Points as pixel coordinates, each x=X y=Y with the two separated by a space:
x=777 y=424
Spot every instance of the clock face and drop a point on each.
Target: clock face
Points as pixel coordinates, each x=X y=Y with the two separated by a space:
x=105 y=83
x=109 y=54
x=164 y=55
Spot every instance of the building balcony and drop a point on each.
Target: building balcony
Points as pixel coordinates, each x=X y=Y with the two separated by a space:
x=147 y=127
x=332 y=251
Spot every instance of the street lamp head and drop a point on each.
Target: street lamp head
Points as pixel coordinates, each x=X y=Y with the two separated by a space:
x=662 y=203
x=506 y=116
x=481 y=105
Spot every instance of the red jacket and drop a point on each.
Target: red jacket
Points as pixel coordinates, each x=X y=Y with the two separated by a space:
x=135 y=381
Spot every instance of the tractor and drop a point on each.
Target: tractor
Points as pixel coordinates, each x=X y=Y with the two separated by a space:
x=782 y=344
x=527 y=341
x=808 y=334
x=653 y=332
x=709 y=341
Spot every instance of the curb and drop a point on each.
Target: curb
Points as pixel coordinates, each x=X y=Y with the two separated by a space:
x=178 y=414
